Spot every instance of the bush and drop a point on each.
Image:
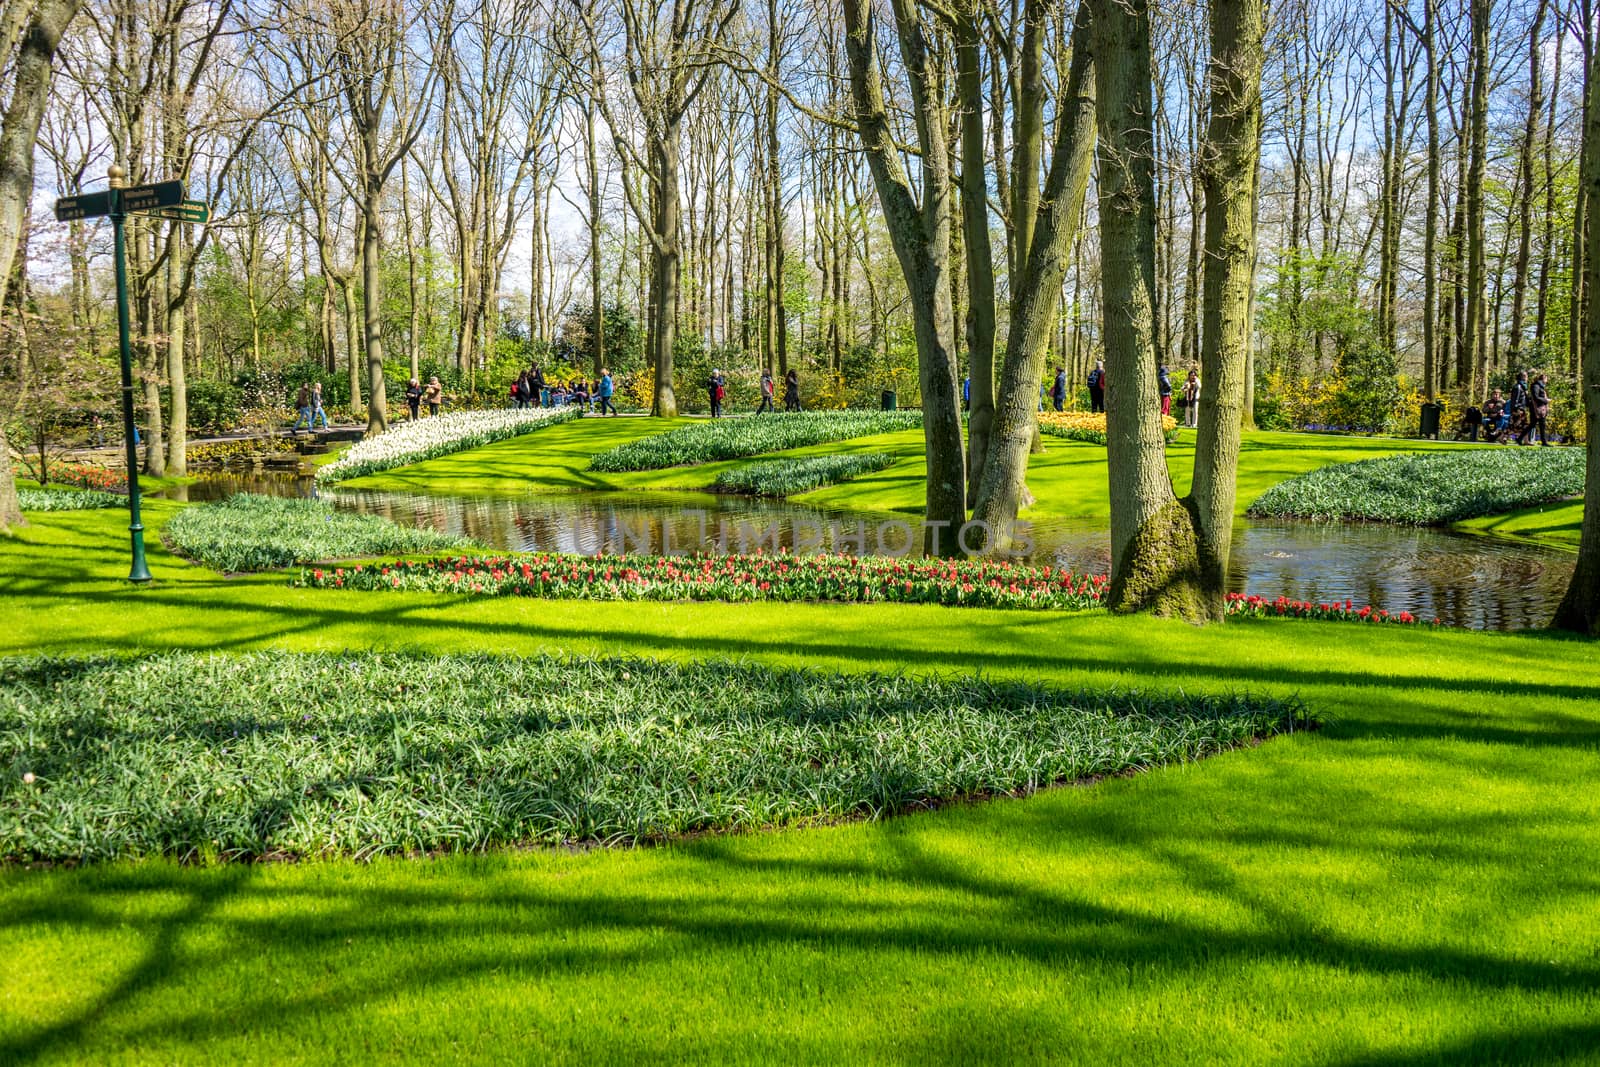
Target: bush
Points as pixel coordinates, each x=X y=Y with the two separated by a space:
x=721 y=439
x=46 y=499
x=257 y=533
x=1428 y=488
x=282 y=754
x=413 y=442
x=785 y=477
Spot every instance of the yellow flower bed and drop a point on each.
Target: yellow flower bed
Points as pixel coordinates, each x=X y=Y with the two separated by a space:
x=1086 y=426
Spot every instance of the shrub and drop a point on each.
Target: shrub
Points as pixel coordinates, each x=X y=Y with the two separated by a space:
x=1428 y=488
x=785 y=477
x=413 y=442
x=720 y=439
x=283 y=754
x=48 y=499
x=257 y=533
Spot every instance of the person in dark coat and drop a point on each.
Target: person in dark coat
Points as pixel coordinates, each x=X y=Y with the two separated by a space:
x=1058 y=391
x=1097 y=386
x=791 y=390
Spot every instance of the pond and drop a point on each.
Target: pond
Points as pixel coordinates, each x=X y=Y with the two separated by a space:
x=1464 y=580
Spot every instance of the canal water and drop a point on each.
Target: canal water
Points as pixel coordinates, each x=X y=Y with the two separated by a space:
x=1463 y=580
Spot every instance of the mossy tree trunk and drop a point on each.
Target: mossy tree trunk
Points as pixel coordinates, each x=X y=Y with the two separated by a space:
x=1155 y=563
x=1580 y=608
x=919 y=231
x=1229 y=161
x=1043 y=253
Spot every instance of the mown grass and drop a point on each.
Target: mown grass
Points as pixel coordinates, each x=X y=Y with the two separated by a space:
x=788 y=477
x=723 y=439
x=1428 y=490
x=256 y=533
x=315 y=754
x=1558 y=524
x=1068 y=479
x=1415 y=883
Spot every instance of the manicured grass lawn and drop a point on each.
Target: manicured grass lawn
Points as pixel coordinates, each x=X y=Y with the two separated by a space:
x=1415 y=883
x=1553 y=524
x=1068 y=479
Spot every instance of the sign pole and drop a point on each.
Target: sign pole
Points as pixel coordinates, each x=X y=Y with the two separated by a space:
x=140 y=571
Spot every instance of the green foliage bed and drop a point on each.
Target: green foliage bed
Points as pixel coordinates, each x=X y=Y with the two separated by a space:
x=1429 y=488
x=785 y=477
x=191 y=755
x=56 y=499
x=257 y=533
x=720 y=439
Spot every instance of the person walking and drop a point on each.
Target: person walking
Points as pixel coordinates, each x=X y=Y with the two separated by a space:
x=607 y=389
x=966 y=393
x=766 y=393
x=1164 y=388
x=1097 y=386
x=413 y=397
x=791 y=390
x=1519 y=398
x=1191 y=399
x=1539 y=408
x=302 y=404
x=536 y=387
x=1058 y=391
x=316 y=408
x=714 y=392
x=434 y=395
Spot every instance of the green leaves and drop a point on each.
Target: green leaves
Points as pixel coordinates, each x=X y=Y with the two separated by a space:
x=273 y=753
x=258 y=533
x=68 y=499
x=719 y=439
x=1428 y=488
x=785 y=477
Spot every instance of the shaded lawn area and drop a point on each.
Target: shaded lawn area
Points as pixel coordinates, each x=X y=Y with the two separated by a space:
x=1558 y=524
x=1415 y=883
x=1068 y=479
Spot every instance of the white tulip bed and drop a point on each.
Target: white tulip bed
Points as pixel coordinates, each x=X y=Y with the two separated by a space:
x=413 y=442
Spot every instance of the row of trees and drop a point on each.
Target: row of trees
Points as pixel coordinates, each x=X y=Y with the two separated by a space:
x=793 y=181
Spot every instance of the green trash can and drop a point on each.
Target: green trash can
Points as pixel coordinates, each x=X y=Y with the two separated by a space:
x=1430 y=420
x=891 y=400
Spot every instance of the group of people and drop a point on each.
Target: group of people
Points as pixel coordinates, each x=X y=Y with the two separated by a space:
x=1188 y=395
x=717 y=392
x=1515 y=418
x=308 y=408
x=530 y=390
x=417 y=395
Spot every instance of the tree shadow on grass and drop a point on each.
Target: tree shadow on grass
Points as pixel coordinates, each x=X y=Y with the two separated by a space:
x=899 y=892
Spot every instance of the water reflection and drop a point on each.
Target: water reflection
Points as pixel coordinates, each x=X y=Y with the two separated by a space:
x=1463 y=580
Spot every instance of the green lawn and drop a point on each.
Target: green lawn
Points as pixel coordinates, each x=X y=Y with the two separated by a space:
x=1416 y=883
x=1068 y=479
x=1553 y=524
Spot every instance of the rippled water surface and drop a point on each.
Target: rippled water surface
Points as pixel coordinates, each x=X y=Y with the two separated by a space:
x=1463 y=580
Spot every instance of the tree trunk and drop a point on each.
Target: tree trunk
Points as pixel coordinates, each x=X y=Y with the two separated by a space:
x=1580 y=608
x=1155 y=563
x=1229 y=161
x=30 y=92
x=1047 y=243
x=1432 y=351
x=372 y=311
x=1530 y=133
x=177 y=379
x=975 y=237
x=1476 y=281
x=664 y=273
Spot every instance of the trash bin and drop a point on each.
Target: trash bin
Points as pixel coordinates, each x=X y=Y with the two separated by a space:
x=891 y=400
x=1430 y=420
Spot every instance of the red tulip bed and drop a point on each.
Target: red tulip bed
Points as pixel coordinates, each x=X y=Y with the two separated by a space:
x=832 y=579
x=982 y=583
x=1346 y=611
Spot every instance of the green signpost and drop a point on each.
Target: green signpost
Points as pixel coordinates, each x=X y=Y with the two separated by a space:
x=161 y=200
